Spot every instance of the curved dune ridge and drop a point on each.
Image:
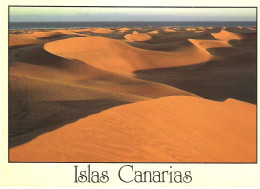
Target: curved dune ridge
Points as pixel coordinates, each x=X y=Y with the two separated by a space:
x=169 y=30
x=116 y=56
x=171 y=129
x=226 y=35
x=153 y=32
x=46 y=34
x=137 y=37
x=22 y=39
x=52 y=90
x=102 y=30
x=123 y=30
x=50 y=71
x=190 y=29
x=207 y=44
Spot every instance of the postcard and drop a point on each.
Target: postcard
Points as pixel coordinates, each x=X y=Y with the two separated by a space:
x=129 y=94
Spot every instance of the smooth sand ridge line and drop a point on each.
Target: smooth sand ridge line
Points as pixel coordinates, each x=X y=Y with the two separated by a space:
x=123 y=30
x=37 y=89
x=49 y=90
x=204 y=44
x=226 y=35
x=116 y=56
x=102 y=30
x=46 y=34
x=153 y=32
x=171 y=129
x=169 y=30
x=137 y=37
x=57 y=85
x=53 y=68
x=22 y=39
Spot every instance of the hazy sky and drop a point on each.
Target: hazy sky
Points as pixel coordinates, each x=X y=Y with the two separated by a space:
x=44 y=14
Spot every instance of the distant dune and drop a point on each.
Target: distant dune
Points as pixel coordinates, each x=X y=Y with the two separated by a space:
x=137 y=36
x=170 y=129
x=226 y=36
x=169 y=30
x=52 y=33
x=153 y=32
x=102 y=30
x=22 y=39
x=123 y=30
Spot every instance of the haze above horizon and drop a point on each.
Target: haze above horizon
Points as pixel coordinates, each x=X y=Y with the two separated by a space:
x=103 y=14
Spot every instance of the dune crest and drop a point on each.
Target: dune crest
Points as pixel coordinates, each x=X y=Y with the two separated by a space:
x=102 y=30
x=46 y=34
x=226 y=35
x=153 y=32
x=169 y=129
x=169 y=30
x=137 y=37
x=116 y=56
x=22 y=39
x=123 y=30
x=207 y=44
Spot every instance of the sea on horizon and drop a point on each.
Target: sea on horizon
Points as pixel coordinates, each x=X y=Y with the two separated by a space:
x=67 y=25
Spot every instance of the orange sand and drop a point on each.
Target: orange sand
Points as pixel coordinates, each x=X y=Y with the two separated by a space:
x=153 y=32
x=226 y=36
x=169 y=30
x=102 y=30
x=22 y=39
x=52 y=33
x=65 y=80
x=123 y=30
x=207 y=44
x=171 y=129
x=116 y=56
x=137 y=37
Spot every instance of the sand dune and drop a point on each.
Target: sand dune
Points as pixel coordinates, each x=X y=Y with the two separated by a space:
x=21 y=39
x=169 y=30
x=171 y=129
x=83 y=85
x=123 y=30
x=207 y=44
x=47 y=34
x=153 y=32
x=190 y=29
x=102 y=30
x=41 y=79
x=116 y=56
x=137 y=36
x=226 y=36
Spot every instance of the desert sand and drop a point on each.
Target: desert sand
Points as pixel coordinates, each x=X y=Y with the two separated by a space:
x=153 y=130
x=137 y=36
x=133 y=94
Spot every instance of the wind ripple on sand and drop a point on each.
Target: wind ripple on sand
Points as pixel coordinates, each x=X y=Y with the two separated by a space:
x=169 y=129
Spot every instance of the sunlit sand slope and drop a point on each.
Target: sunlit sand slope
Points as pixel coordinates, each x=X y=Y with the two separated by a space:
x=171 y=129
x=116 y=56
